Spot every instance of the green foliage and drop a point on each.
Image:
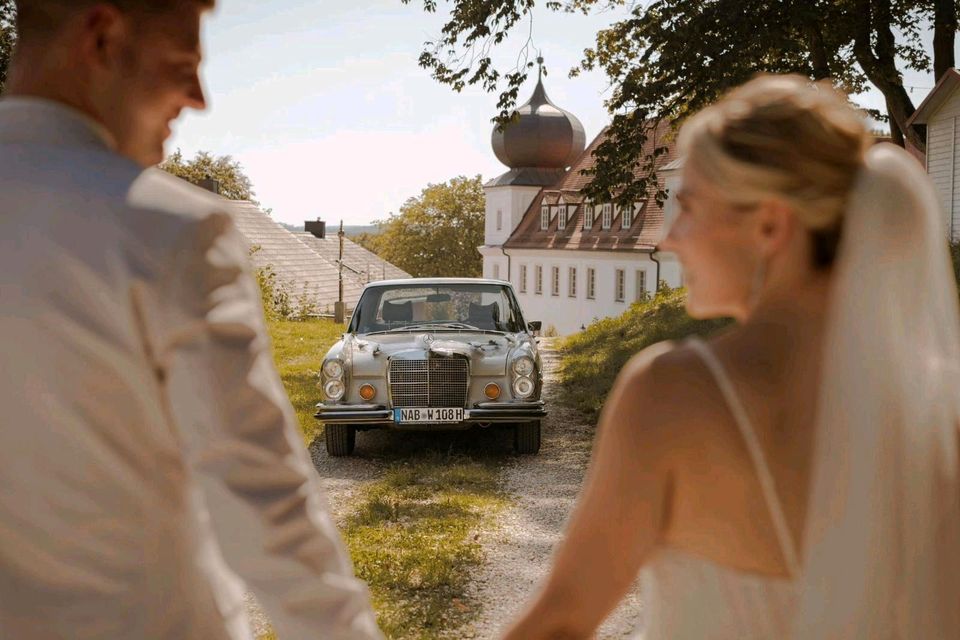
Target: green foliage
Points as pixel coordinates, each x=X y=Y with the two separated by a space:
x=298 y=349
x=955 y=254
x=411 y=540
x=234 y=184
x=8 y=37
x=666 y=59
x=436 y=233
x=593 y=358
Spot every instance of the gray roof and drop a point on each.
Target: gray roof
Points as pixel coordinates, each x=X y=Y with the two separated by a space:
x=299 y=268
x=363 y=265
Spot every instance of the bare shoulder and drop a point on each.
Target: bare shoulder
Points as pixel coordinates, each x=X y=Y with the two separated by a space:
x=661 y=394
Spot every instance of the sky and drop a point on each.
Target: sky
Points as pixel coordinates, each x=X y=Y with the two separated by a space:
x=325 y=107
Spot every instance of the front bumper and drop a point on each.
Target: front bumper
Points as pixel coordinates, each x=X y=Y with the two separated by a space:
x=378 y=415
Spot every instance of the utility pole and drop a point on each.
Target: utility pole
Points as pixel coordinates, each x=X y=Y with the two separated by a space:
x=338 y=310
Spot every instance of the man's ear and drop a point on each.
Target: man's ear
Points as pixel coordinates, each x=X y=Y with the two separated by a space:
x=103 y=33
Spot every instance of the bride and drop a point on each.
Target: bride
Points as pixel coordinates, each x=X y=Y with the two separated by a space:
x=796 y=476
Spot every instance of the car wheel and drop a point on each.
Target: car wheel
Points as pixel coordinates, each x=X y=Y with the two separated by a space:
x=526 y=437
x=340 y=438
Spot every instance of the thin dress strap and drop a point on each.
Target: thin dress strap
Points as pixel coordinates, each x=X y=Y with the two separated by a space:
x=767 y=483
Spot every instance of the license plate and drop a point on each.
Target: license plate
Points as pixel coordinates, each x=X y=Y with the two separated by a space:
x=407 y=416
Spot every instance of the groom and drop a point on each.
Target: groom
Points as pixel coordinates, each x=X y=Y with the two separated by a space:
x=148 y=453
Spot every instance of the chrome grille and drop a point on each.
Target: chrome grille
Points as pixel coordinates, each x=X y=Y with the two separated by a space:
x=437 y=382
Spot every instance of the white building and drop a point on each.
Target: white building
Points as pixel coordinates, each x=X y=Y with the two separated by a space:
x=570 y=261
x=940 y=112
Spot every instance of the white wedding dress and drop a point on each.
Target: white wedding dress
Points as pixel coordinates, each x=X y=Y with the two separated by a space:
x=687 y=597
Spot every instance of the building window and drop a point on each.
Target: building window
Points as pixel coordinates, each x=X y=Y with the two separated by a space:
x=499 y=219
x=607 y=216
x=587 y=216
x=562 y=221
x=555 y=281
x=641 y=284
x=626 y=216
x=544 y=218
x=538 y=280
x=591 y=283
x=523 y=278
x=572 y=282
x=496 y=272
x=619 y=285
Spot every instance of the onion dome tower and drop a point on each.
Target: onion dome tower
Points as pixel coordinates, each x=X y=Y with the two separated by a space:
x=539 y=143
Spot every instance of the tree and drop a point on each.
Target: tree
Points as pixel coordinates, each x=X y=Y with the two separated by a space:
x=8 y=37
x=438 y=232
x=234 y=184
x=670 y=58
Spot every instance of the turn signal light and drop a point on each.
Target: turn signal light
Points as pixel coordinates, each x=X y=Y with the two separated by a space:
x=367 y=392
x=492 y=390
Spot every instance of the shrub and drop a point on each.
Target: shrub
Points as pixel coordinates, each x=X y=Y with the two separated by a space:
x=955 y=254
x=592 y=358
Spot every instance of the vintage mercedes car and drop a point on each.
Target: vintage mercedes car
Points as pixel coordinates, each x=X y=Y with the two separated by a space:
x=433 y=354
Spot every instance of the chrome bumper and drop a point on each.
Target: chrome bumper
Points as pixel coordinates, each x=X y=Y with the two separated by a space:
x=481 y=412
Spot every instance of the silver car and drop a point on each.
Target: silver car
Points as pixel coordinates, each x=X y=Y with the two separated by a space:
x=433 y=354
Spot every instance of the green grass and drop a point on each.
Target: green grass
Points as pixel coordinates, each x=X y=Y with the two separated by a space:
x=298 y=350
x=592 y=358
x=411 y=538
x=411 y=532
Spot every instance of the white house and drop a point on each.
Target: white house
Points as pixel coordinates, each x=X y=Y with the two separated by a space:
x=571 y=261
x=940 y=112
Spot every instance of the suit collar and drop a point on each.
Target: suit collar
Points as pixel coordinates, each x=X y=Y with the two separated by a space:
x=41 y=121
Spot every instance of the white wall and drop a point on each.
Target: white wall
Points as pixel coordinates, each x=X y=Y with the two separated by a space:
x=566 y=313
x=943 y=159
x=511 y=203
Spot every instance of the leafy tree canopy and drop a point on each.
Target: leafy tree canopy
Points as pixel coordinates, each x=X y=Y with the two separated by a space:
x=437 y=233
x=668 y=58
x=8 y=37
x=234 y=184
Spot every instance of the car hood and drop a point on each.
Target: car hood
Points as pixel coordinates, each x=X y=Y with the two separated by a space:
x=488 y=353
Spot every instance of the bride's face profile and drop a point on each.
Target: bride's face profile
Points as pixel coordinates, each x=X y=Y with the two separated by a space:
x=716 y=242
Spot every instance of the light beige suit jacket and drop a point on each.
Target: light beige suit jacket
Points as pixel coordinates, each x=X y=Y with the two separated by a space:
x=146 y=442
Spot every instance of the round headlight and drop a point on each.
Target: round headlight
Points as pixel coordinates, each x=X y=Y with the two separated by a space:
x=333 y=389
x=523 y=366
x=523 y=387
x=333 y=369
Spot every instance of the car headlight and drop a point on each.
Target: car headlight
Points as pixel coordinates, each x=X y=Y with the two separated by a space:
x=334 y=389
x=333 y=369
x=523 y=366
x=523 y=387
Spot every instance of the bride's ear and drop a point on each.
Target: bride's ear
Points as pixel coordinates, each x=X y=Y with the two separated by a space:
x=776 y=226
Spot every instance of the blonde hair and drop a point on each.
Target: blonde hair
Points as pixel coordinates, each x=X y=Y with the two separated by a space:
x=787 y=137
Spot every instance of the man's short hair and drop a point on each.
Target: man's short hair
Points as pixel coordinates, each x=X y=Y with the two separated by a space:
x=39 y=18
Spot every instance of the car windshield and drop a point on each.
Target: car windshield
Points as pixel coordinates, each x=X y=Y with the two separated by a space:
x=442 y=306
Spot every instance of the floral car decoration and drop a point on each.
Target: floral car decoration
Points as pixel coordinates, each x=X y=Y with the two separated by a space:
x=433 y=354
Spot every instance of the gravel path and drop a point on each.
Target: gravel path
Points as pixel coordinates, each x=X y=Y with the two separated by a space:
x=518 y=549
x=544 y=489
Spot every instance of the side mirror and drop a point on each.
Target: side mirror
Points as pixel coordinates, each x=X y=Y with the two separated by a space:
x=534 y=326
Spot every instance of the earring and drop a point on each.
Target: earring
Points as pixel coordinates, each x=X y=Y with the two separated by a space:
x=759 y=280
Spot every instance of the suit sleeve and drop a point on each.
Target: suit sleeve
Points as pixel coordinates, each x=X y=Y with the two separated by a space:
x=244 y=449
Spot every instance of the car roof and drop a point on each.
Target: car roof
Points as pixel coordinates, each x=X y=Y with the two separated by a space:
x=415 y=282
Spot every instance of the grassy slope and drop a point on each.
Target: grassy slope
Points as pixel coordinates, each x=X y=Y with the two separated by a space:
x=593 y=358
x=410 y=533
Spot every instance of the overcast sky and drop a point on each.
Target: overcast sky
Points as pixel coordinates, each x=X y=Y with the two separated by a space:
x=324 y=105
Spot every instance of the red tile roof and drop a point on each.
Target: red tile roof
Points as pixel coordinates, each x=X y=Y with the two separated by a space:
x=642 y=235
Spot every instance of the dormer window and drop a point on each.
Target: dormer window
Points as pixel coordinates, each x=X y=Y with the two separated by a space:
x=562 y=220
x=587 y=216
x=544 y=218
x=607 y=219
x=626 y=216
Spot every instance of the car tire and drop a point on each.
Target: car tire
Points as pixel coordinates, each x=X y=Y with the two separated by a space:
x=526 y=437
x=340 y=438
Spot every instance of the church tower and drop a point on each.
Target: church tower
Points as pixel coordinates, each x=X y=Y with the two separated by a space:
x=537 y=146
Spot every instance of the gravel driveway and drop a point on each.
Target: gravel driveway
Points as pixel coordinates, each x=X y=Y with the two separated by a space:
x=543 y=489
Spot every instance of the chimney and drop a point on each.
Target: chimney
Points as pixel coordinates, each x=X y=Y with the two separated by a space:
x=317 y=227
x=210 y=184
